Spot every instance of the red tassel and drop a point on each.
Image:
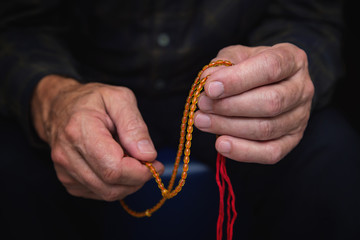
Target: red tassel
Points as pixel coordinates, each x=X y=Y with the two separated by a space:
x=223 y=180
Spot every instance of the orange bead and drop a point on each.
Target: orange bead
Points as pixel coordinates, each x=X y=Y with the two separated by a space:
x=189 y=137
x=197 y=93
x=202 y=82
x=182 y=182
x=184 y=120
x=194 y=102
x=186 y=160
x=190 y=129
x=191 y=121
x=187 y=152
x=191 y=114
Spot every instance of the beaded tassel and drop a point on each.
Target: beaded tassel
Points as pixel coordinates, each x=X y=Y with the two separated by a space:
x=186 y=130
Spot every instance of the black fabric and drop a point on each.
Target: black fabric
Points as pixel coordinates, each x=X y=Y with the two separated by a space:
x=117 y=42
x=311 y=194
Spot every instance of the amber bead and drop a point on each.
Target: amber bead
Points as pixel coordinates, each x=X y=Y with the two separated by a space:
x=186 y=160
x=189 y=136
x=191 y=121
x=187 y=152
x=191 y=114
x=190 y=129
x=186 y=167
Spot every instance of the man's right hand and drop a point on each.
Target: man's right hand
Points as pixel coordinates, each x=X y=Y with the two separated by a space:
x=92 y=130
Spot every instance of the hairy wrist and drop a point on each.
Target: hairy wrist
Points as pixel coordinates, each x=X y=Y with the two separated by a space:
x=46 y=91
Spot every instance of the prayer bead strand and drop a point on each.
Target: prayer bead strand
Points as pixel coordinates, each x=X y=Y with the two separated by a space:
x=186 y=130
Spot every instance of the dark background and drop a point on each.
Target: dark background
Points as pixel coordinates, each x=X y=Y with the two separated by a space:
x=347 y=95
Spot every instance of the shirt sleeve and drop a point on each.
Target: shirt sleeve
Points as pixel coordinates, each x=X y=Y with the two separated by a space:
x=316 y=27
x=32 y=45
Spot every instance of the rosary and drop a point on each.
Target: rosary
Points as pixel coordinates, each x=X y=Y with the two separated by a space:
x=222 y=178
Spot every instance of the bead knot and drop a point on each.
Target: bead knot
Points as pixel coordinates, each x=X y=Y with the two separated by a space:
x=165 y=193
x=148 y=213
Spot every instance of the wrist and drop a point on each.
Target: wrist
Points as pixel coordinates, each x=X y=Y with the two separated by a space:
x=46 y=91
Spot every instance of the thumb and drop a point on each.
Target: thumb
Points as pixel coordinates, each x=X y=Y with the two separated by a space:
x=131 y=129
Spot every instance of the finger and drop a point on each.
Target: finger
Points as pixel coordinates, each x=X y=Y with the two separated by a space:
x=72 y=186
x=95 y=150
x=133 y=171
x=253 y=128
x=87 y=135
x=93 y=141
x=268 y=66
x=64 y=177
x=73 y=164
x=107 y=160
x=238 y=53
x=83 y=193
x=131 y=128
x=265 y=101
x=264 y=152
x=235 y=54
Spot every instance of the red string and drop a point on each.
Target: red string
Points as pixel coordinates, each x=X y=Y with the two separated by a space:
x=223 y=180
x=220 y=183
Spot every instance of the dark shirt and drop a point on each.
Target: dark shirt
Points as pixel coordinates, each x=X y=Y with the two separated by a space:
x=155 y=48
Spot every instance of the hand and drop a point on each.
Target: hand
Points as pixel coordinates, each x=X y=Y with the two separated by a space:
x=260 y=106
x=90 y=129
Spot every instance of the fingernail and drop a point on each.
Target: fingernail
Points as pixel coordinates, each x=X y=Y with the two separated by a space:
x=145 y=146
x=224 y=146
x=216 y=89
x=202 y=120
x=205 y=103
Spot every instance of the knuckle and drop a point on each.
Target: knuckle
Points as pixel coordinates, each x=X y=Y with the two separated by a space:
x=58 y=156
x=111 y=176
x=72 y=128
x=127 y=94
x=101 y=188
x=273 y=62
x=135 y=124
x=118 y=93
x=310 y=90
x=65 y=178
x=302 y=56
x=274 y=102
x=274 y=153
x=234 y=53
x=266 y=129
x=296 y=54
x=225 y=51
x=111 y=195
x=66 y=181
x=74 y=192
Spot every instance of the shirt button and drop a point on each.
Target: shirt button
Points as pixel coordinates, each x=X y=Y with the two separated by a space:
x=163 y=40
x=159 y=84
